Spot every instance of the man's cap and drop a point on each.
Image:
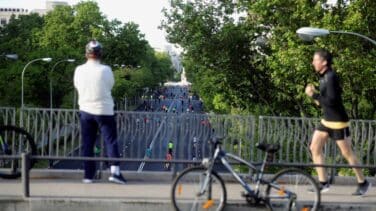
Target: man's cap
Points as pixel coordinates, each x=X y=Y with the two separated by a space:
x=94 y=47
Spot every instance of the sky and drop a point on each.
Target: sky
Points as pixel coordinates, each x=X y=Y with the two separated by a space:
x=146 y=13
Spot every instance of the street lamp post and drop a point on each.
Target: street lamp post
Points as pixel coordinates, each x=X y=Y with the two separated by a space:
x=51 y=119
x=52 y=70
x=309 y=33
x=23 y=73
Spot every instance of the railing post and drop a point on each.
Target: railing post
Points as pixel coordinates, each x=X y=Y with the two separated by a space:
x=25 y=174
x=50 y=137
x=174 y=170
x=333 y=171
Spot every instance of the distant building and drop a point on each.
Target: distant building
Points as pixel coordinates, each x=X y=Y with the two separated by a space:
x=175 y=58
x=6 y=13
x=50 y=5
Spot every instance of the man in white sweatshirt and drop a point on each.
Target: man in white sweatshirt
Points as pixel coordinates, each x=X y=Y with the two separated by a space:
x=94 y=82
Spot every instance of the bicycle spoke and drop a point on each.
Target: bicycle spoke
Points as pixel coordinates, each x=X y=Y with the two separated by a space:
x=190 y=191
x=289 y=190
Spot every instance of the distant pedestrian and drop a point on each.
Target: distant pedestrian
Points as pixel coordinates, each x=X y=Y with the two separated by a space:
x=148 y=152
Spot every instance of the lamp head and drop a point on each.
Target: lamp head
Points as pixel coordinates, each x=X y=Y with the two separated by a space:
x=309 y=33
x=47 y=59
x=11 y=56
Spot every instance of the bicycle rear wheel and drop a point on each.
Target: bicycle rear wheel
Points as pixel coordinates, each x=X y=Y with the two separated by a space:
x=293 y=189
x=14 y=141
x=185 y=192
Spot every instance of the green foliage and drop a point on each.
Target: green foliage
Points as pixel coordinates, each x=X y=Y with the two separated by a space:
x=62 y=34
x=257 y=64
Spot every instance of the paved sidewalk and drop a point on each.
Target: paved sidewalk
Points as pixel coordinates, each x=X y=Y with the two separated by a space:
x=149 y=191
x=62 y=190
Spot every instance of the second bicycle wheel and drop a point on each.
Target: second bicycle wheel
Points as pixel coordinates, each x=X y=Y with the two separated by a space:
x=185 y=192
x=14 y=141
x=293 y=189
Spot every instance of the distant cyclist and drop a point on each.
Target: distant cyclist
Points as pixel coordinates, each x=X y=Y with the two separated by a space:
x=194 y=150
x=148 y=152
x=170 y=147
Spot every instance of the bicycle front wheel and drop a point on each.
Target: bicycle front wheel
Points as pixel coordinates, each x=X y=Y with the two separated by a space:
x=293 y=189
x=188 y=191
x=14 y=141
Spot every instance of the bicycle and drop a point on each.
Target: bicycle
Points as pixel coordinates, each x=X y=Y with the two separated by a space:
x=201 y=187
x=14 y=141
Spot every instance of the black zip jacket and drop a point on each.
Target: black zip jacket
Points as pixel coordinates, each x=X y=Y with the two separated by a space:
x=330 y=97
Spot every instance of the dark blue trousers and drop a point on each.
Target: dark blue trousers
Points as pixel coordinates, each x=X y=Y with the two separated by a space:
x=89 y=128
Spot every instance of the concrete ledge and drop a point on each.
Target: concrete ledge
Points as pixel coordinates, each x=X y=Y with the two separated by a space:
x=154 y=176
x=65 y=204
x=82 y=204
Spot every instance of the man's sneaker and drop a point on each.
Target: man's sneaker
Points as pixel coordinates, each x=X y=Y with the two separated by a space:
x=362 y=189
x=323 y=188
x=87 y=181
x=119 y=179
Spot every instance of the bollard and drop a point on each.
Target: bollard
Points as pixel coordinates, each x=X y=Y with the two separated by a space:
x=25 y=174
x=173 y=169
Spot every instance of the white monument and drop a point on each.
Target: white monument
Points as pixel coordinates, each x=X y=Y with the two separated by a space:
x=183 y=81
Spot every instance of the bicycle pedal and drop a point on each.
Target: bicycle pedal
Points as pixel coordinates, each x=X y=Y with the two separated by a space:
x=246 y=194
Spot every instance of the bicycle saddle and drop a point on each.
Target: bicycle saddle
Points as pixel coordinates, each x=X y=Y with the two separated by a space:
x=270 y=148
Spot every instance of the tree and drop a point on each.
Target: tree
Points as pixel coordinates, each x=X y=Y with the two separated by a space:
x=17 y=37
x=219 y=58
x=245 y=56
x=62 y=34
x=290 y=57
x=128 y=45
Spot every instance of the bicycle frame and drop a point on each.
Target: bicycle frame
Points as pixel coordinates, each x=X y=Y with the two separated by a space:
x=221 y=155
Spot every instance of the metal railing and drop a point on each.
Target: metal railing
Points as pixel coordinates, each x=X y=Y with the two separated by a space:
x=57 y=133
x=295 y=134
x=125 y=103
x=136 y=130
x=7 y=115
